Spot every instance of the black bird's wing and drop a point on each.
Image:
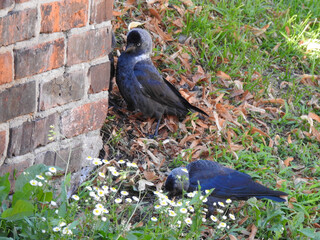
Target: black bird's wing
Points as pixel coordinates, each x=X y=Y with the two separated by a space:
x=159 y=89
x=228 y=183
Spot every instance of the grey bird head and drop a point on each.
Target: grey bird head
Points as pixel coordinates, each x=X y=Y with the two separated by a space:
x=177 y=180
x=139 y=42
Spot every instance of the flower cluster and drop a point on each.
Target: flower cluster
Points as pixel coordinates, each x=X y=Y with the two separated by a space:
x=63 y=226
x=40 y=179
x=107 y=195
x=184 y=212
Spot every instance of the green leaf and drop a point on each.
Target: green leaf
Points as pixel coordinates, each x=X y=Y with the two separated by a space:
x=62 y=210
x=45 y=196
x=4 y=187
x=309 y=232
x=298 y=219
x=20 y=210
x=25 y=195
x=73 y=224
x=31 y=173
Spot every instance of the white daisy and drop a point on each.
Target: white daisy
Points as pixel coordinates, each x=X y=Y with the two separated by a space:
x=188 y=221
x=34 y=182
x=75 y=197
x=53 y=169
x=97 y=211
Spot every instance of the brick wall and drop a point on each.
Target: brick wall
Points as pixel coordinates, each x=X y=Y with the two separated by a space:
x=54 y=71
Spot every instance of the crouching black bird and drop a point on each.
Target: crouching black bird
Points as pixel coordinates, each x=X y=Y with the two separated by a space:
x=227 y=182
x=141 y=85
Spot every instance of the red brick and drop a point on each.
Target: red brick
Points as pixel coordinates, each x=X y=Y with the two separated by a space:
x=63 y=15
x=62 y=90
x=6 y=3
x=84 y=119
x=3 y=144
x=88 y=45
x=40 y=58
x=17 y=101
x=22 y=1
x=99 y=77
x=6 y=67
x=101 y=10
x=17 y=26
x=59 y=156
x=30 y=135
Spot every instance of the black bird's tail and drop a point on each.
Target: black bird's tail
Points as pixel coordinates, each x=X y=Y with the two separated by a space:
x=277 y=196
x=185 y=103
x=197 y=110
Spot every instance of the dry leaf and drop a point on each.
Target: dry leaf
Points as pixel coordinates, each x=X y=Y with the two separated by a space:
x=314 y=116
x=155 y=13
x=287 y=161
x=287 y=30
x=232 y=237
x=253 y=233
x=277 y=101
x=134 y=25
x=276 y=47
x=142 y=184
x=189 y=3
x=116 y=13
x=223 y=75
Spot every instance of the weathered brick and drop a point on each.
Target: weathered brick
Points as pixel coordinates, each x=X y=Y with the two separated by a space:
x=30 y=135
x=89 y=45
x=3 y=145
x=63 y=15
x=101 y=10
x=22 y=1
x=18 y=100
x=62 y=90
x=6 y=67
x=99 y=76
x=17 y=26
x=85 y=118
x=39 y=58
x=60 y=157
x=6 y=3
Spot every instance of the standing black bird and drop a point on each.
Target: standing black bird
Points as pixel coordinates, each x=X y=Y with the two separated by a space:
x=141 y=85
x=227 y=182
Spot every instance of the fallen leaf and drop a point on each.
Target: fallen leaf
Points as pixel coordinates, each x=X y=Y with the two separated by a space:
x=243 y=220
x=189 y=3
x=276 y=101
x=142 y=184
x=314 y=116
x=155 y=13
x=287 y=30
x=253 y=233
x=298 y=180
x=117 y=13
x=222 y=75
x=256 y=130
x=287 y=161
x=134 y=25
x=258 y=31
x=232 y=237
x=276 y=47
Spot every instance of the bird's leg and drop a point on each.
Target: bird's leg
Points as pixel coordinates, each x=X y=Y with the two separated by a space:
x=156 y=131
x=157 y=128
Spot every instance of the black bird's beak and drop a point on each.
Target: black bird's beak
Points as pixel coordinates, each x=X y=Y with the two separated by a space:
x=130 y=48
